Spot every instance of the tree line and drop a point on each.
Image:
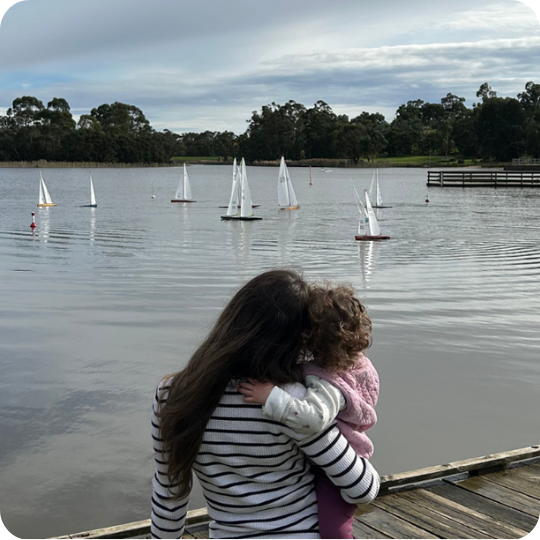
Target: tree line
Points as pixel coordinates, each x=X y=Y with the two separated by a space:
x=493 y=129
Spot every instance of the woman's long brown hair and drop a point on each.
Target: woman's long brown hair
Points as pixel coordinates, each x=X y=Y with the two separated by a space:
x=259 y=335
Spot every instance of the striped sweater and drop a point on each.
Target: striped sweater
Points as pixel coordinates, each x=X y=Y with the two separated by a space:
x=255 y=474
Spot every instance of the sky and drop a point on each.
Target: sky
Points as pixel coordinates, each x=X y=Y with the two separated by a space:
x=196 y=65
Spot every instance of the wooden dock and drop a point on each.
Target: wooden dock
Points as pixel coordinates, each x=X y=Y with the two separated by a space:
x=483 y=178
x=495 y=496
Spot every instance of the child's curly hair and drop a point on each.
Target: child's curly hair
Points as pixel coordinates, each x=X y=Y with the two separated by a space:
x=340 y=327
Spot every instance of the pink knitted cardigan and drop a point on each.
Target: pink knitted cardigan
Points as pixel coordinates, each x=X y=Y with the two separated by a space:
x=360 y=388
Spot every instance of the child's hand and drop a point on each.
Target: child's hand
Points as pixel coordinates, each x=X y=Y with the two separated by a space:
x=255 y=391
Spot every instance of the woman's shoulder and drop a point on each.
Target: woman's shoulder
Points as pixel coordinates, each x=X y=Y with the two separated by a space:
x=162 y=390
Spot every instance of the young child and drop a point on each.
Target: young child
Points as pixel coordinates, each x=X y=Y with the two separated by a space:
x=341 y=384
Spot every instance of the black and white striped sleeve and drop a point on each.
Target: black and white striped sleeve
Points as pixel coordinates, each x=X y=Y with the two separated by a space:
x=168 y=514
x=356 y=478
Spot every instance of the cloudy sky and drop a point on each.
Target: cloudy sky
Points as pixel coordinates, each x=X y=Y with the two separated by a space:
x=193 y=65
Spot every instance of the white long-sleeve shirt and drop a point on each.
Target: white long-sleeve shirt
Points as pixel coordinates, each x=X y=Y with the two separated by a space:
x=311 y=414
x=255 y=474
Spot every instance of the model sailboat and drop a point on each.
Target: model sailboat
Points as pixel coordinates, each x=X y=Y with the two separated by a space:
x=286 y=196
x=183 y=192
x=93 y=203
x=236 y=185
x=368 y=227
x=244 y=210
x=378 y=197
x=44 y=197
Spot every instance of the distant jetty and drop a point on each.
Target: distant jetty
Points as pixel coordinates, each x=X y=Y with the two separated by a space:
x=484 y=178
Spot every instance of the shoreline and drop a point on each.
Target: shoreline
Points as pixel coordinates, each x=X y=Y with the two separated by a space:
x=315 y=163
x=43 y=164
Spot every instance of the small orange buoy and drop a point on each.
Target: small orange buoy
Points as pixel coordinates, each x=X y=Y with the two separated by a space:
x=33 y=224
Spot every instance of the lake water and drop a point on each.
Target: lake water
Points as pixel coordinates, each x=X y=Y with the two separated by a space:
x=98 y=304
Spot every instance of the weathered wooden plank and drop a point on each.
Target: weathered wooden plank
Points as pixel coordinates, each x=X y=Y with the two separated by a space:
x=361 y=530
x=502 y=494
x=493 y=460
x=388 y=524
x=428 y=519
x=201 y=534
x=136 y=528
x=485 y=506
x=522 y=481
x=498 y=498
x=129 y=530
x=462 y=514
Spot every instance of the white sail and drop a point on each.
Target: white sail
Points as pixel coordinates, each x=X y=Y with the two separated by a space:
x=180 y=189
x=363 y=229
x=282 y=191
x=372 y=186
x=379 y=196
x=373 y=224
x=48 y=199
x=92 y=194
x=286 y=195
x=187 y=188
x=44 y=197
x=239 y=184
x=363 y=222
x=246 y=210
x=233 y=203
x=41 y=199
x=293 y=201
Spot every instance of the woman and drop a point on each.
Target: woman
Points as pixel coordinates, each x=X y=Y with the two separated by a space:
x=254 y=472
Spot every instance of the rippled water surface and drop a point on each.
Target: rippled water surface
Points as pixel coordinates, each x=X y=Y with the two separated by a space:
x=98 y=304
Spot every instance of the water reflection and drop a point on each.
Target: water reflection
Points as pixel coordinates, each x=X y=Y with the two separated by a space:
x=286 y=237
x=44 y=224
x=367 y=254
x=92 y=225
x=135 y=293
x=242 y=235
